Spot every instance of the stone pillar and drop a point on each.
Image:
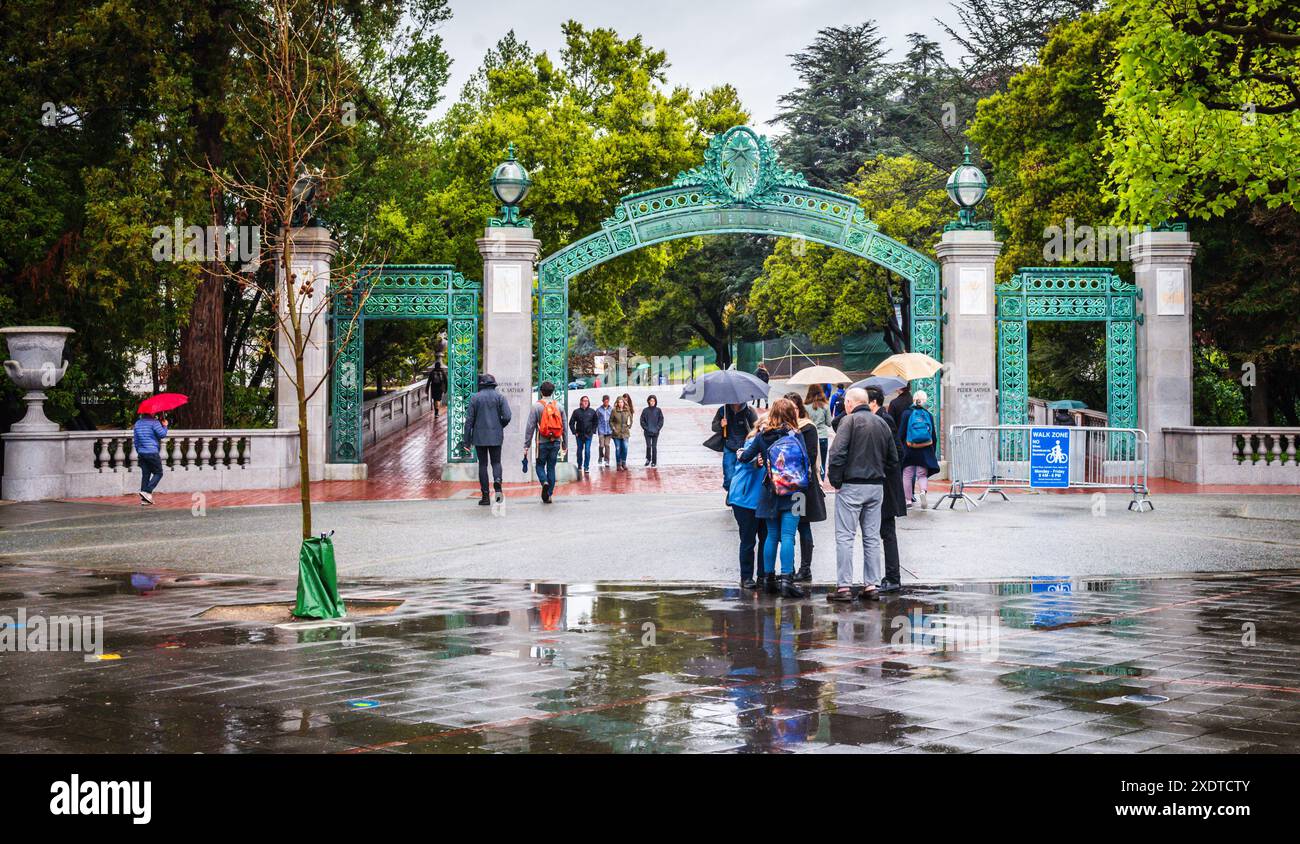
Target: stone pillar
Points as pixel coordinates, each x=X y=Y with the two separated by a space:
x=509 y=255
x=969 y=347
x=1162 y=269
x=312 y=250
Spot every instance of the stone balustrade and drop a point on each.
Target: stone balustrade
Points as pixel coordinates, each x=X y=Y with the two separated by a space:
x=1241 y=455
x=391 y=413
x=85 y=464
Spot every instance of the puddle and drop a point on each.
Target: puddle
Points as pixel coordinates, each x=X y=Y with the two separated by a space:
x=282 y=612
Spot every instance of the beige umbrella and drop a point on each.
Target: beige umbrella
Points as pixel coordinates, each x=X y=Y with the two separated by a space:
x=909 y=366
x=819 y=375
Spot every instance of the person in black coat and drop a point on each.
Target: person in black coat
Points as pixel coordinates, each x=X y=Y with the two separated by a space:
x=652 y=422
x=895 y=505
x=485 y=422
x=437 y=383
x=583 y=423
x=900 y=405
x=763 y=375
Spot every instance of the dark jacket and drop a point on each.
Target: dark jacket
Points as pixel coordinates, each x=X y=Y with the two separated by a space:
x=895 y=505
x=487 y=416
x=583 y=422
x=918 y=456
x=762 y=374
x=739 y=424
x=863 y=450
x=899 y=406
x=770 y=505
x=652 y=419
x=815 y=496
x=437 y=382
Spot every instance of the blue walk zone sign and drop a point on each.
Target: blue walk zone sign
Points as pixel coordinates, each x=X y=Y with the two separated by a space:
x=1049 y=457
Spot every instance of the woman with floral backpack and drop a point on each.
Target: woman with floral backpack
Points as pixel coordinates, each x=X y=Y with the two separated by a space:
x=781 y=447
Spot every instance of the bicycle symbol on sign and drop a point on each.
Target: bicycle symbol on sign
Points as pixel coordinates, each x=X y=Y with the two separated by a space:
x=1056 y=455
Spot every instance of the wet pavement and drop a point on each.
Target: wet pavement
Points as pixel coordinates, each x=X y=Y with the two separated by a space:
x=1040 y=665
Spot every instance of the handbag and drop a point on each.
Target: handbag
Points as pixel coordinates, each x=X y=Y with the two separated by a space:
x=717 y=442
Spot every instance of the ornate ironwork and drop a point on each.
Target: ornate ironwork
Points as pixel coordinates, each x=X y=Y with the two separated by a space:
x=413 y=291
x=1041 y=294
x=741 y=188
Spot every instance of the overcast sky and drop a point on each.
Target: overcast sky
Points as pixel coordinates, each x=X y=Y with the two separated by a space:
x=709 y=42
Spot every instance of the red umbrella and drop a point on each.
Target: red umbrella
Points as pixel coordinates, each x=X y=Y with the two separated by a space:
x=163 y=402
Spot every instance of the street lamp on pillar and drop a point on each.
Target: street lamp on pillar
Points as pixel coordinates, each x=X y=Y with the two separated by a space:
x=966 y=187
x=510 y=184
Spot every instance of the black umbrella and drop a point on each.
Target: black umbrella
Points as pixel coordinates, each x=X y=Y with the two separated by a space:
x=725 y=386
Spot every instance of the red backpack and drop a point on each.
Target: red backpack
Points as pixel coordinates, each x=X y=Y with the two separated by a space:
x=551 y=425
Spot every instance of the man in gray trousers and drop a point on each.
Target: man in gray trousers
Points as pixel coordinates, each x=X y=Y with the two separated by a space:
x=862 y=455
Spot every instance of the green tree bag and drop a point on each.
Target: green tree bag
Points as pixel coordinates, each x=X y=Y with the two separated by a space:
x=318 y=582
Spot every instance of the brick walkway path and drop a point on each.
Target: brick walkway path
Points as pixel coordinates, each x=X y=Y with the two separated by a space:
x=515 y=667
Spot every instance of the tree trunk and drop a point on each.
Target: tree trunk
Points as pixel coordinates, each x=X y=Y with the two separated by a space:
x=202 y=364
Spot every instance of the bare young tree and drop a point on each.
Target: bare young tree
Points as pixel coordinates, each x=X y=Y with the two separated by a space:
x=297 y=110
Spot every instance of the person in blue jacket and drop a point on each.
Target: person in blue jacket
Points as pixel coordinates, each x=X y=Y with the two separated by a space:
x=778 y=510
x=744 y=495
x=147 y=436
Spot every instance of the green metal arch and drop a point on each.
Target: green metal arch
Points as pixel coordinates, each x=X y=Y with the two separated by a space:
x=740 y=189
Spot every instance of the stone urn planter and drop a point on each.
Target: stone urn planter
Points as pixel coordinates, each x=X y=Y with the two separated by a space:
x=36 y=364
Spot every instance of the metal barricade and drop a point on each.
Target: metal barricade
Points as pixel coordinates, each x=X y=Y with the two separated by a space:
x=996 y=458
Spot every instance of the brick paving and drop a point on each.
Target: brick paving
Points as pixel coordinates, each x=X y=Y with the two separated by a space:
x=513 y=667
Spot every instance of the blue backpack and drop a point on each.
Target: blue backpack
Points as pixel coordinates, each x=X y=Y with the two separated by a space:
x=920 y=430
x=787 y=464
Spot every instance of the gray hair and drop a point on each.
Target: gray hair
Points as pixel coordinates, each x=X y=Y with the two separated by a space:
x=856 y=396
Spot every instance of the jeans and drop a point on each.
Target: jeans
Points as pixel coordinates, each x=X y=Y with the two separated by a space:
x=823 y=444
x=548 y=451
x=584 y=453
x=858 y=506
x=917 y=476
x=728 y=467
x=652 y=448
x=488 y=454
x=604 y=448
x=151 y=470
x=781 y=529
x=753 y=531
x=620 y=451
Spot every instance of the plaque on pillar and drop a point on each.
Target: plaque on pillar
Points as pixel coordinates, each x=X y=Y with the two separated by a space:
x=507 y=289
x=1171 y=294
x=973 y=289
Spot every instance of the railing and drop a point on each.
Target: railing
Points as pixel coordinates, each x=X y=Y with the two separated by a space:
x=996 y=458
x=1242 y=455
x=88 y=464
x=1039 y=414
x=391 y=413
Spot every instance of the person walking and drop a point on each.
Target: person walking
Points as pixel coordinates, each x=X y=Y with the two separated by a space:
x=620 y=422
x=485 y=429
x=744 y=496
x=583 y=422
x=763 y=375
x=147 y=437
x=652 y=422
x=895 y=504
x=837 y=402
x=813 y=503
x=916 y=434
x=861 y=458
x=779 y=444
x=734 y=422
x=437 y=383
x=547 y=420
x=819 y=412
x=603 y=430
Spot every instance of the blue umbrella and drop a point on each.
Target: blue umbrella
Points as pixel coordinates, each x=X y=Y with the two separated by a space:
x=725 y=386
x=1066 y=404
x=885 y=383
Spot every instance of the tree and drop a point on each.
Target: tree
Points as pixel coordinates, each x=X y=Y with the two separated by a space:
x=1000 y=37
x=827 y=293
x=929 y=107
x=833 y=119
x=695 y=297
x=1202 y=111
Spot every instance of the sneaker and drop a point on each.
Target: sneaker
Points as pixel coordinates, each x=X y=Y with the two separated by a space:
x=924 y=504
x=146 y=497
x=840 y=596
x=889 y=586
x=484 y=502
